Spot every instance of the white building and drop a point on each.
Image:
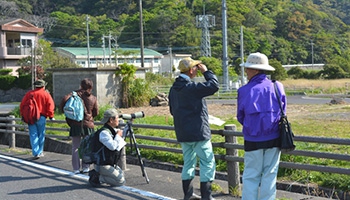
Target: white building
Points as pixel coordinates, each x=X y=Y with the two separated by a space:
x=100 y=57
x=171 y=61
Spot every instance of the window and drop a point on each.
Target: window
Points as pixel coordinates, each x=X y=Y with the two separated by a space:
x=26 y=43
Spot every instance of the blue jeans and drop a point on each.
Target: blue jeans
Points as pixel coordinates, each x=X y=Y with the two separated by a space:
x=37 y=136
x=260 y=170
x=204 y=151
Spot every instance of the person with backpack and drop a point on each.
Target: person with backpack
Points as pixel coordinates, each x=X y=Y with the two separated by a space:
x=80 y=129
x=35 y=107
x=110 y=139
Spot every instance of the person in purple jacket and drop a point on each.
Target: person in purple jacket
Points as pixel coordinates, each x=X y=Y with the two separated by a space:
x=258 y=111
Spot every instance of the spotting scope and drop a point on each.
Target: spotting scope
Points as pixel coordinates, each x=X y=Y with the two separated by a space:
x=132 y=115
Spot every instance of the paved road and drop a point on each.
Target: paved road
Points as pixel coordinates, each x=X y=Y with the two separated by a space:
x=50 y=177
x=297 y=99
x=7 y=107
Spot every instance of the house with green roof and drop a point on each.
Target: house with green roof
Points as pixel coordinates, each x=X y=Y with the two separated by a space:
x=104 y=57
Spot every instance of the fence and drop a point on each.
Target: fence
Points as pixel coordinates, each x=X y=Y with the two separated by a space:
x=230 y=144
x=229 y=93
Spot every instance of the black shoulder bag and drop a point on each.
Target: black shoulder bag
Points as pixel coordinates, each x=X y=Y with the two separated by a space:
x=285 y=129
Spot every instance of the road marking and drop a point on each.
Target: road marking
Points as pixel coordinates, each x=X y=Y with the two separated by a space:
x=84 y=177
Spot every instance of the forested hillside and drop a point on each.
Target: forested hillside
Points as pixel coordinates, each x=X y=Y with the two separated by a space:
x=291 y=31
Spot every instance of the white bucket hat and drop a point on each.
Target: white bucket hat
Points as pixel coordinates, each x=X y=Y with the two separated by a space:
x=258 y=61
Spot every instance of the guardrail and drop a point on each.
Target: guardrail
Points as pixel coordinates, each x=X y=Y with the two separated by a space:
x=230 y=144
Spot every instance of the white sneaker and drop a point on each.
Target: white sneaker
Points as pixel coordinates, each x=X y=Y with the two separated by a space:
x=86 y=170
x=76 y=171
x=38 y=156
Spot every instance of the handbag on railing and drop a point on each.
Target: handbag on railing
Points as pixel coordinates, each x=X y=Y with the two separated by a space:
x=285 y=129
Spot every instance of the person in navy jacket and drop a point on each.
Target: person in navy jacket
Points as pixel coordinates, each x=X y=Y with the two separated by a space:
x=190 y=113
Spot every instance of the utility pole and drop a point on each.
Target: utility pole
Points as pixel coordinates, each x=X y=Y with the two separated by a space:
x=312 y=54
x=141 y=35
x=242 y=58
x=110 y=38
x=205 y=22
x=35 y=70
x=32 y=64
x=88 y=40
x=116 y=48
x=110 y=48
x=171 y=61
x=104 y=50
x=224 y=46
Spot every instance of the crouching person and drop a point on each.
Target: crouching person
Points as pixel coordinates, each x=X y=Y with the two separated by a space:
x=109 y=138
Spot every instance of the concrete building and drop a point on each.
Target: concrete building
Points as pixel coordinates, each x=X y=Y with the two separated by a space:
x=304 y=66
x=100 y=57
x=171 y=61
x=107 y=86
x=18 y=39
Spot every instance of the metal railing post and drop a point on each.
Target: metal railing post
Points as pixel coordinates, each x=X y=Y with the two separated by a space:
x=122 y=160
x=12 y=138
x=233 y=175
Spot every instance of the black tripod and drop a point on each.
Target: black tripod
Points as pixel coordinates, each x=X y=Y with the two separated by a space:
x=128 y=131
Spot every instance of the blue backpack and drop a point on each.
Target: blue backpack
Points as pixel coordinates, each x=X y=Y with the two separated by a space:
x=74 y=107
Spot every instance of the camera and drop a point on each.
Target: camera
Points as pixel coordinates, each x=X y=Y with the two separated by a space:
x=132 y=115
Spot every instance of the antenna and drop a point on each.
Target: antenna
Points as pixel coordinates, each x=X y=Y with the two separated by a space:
x=205 y=22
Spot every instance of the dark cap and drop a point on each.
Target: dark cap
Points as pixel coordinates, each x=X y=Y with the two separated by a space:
x=39 y=83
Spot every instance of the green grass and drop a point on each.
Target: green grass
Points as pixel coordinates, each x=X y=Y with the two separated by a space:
x=315 y=120
x=307 y=120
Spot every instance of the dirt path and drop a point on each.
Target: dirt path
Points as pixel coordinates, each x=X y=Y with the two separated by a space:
x=225 y=111
x=219 y=110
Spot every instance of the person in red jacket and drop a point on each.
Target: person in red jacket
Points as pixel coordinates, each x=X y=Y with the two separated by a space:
x=46 y=107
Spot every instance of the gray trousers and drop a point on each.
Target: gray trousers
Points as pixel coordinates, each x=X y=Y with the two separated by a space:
x=110 y=175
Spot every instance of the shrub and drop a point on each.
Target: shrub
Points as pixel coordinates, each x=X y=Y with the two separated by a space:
x=139 y=93
x=295 y=73
x=24 y=81
x=7 y=82
x=5 y=71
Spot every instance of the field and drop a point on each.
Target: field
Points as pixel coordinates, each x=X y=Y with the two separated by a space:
x=321 y=120
x=324 y=84
x=318 y=86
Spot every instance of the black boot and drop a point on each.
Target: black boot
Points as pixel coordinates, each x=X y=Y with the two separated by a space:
x=206 y=191
x=188 y=190
x=94 y=178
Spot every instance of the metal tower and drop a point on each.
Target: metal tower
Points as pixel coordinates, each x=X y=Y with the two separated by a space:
x=205 y=22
